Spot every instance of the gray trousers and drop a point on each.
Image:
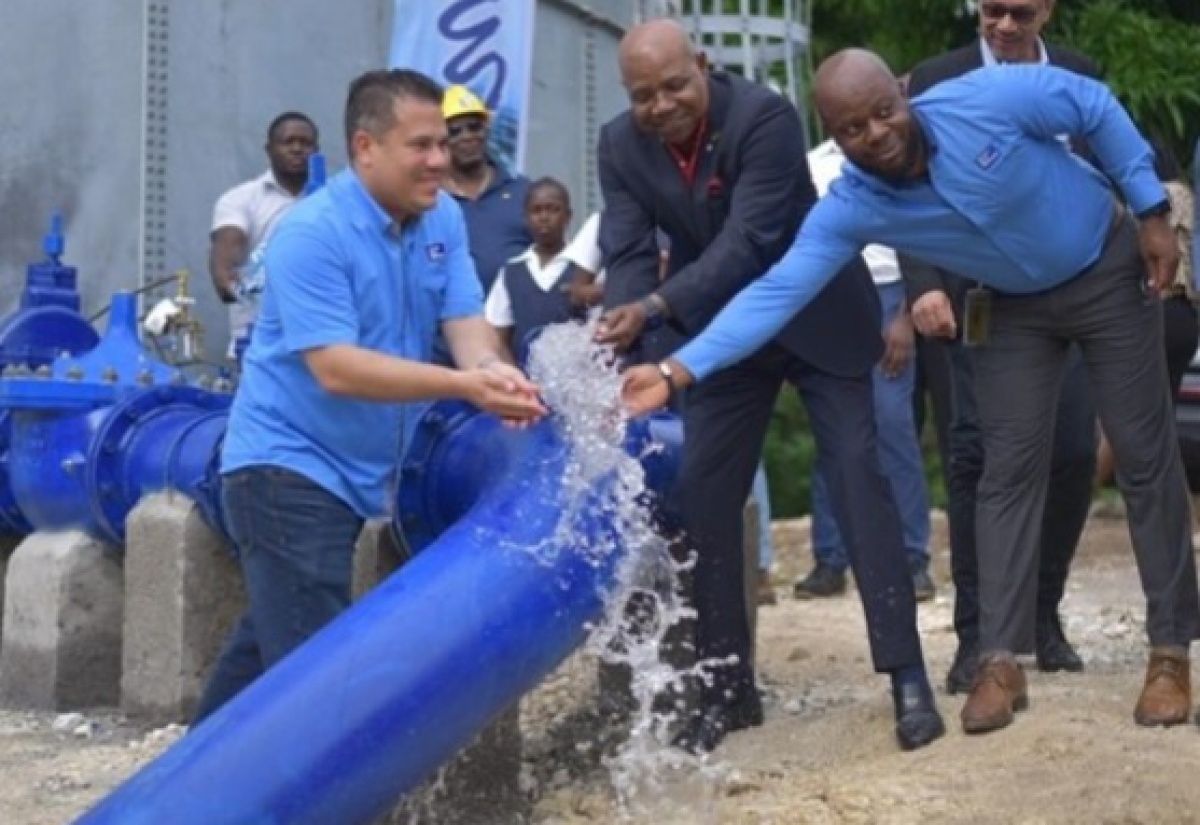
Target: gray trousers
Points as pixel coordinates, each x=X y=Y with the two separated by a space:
x=1119 y=329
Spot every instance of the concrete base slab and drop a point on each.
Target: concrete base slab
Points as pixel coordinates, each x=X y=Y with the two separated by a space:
x=63 y=611
x=8 y=544
x=482 y=785
x=183 y=592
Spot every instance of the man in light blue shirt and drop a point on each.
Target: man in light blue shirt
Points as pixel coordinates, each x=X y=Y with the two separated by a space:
x=972 y=177
x=362 y=276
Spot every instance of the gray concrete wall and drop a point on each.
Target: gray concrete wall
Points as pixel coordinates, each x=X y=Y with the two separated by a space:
x=575 y=88
x=234 y=65
x=70 y=139
x=74 y=88
x=71 y=125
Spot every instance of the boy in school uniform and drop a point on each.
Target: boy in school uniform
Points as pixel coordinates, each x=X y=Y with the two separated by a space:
x=533 y=289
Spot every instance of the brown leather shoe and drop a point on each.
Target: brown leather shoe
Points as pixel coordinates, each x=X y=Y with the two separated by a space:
x=1167 y=695
x=998 y=692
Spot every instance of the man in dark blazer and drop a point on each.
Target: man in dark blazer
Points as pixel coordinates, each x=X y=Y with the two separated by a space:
x=718 y=163
x=1009 y=33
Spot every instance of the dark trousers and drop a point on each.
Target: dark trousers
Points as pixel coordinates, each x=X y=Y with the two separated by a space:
x=933 y=394
x=1180 y=331
x=295 y=544
x=725 y=423
x=1068 y=497
x=1119 y=329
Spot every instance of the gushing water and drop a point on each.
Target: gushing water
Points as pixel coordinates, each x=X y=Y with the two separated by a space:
x=581 y=384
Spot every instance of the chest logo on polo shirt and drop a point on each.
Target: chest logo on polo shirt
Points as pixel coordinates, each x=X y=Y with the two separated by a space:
x=988 y=157
x=435 y=251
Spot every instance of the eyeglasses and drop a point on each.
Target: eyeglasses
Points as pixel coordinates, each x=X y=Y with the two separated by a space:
x=1021 y=15
x=473 y=127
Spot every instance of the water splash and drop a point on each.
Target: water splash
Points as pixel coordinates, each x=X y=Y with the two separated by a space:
x=581 y=383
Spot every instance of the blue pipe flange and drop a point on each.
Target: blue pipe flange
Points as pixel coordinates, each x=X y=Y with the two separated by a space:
x=201 y=479
x=38 y=336
x=414 y=506
x=454 y=455
x=12 y=521
x=111 y=491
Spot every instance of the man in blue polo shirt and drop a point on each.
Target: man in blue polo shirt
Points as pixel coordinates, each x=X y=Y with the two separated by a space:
x=972 y=177
x=363 y=275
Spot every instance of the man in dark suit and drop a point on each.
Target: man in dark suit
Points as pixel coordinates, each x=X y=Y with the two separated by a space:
x=1009 y=33
x=718 y=163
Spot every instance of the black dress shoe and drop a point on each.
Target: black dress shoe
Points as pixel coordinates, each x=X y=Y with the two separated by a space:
x=1053 y=651
x=917 y=719
x=709 y=725
x=961 y=675
x=821 y=583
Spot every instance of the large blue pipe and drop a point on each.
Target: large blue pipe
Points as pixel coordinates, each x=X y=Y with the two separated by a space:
x=376 y=702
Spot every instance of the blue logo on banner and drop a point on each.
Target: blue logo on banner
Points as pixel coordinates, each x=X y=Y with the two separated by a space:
x=485 y=45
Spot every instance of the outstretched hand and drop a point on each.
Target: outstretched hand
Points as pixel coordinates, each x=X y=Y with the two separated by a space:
x=622 y=325
x=504 y=391
x=644 y=390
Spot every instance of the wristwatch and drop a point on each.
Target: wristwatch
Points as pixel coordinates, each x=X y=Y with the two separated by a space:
x=655 y=310
x=1159 y=210
x=668 y=374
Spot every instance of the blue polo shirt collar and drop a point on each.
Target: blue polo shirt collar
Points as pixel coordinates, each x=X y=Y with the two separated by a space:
x=368 y=215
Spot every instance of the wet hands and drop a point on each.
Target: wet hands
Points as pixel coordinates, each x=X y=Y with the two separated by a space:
x=644 y=389
x=504 y=391
x=621 y=326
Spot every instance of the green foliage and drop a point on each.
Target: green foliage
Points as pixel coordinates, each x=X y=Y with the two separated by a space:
x=903 y=32
x=1152 y=63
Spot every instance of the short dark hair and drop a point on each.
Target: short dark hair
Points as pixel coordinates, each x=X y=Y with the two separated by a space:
x=547 y=183
x=371 y=104
x=288 y=117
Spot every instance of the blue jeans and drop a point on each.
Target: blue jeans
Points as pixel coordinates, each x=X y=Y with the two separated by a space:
x=295 y=543
x=899 y=459
x=762 y=499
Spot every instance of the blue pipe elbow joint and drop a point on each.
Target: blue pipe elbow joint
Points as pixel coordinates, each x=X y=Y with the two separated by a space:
x=371 y=706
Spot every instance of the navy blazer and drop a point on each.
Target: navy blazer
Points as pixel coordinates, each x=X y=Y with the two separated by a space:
x=751 y=192
x=920 y=277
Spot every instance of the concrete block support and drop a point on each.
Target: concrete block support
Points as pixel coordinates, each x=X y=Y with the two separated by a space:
x=8 y=543
x=482 y=785
x=183 y=592
x=63 y=610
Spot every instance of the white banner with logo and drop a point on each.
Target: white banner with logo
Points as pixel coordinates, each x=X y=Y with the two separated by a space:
x=485 y=45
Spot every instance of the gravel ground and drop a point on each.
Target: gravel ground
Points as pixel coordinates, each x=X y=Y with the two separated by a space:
x=826 y=754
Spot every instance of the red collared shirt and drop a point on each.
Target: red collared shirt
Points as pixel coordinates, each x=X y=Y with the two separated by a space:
x=687 y=163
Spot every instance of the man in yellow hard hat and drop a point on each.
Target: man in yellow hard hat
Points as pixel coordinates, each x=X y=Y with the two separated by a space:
x=492 y=199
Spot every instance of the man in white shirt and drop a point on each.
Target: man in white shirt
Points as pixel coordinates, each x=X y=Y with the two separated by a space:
x=899 y=451
x=247 y=214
